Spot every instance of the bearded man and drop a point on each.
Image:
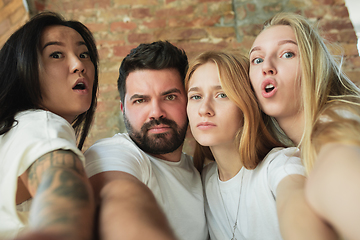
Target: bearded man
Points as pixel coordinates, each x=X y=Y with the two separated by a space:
x=145 y=186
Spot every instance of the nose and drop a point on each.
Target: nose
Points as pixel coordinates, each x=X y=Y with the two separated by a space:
x=206 y=108
x=268 y=67
x=76 y=65
x=157 y=110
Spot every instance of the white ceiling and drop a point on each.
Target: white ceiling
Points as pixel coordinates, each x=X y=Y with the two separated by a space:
x=354 y=12
x=354 y=9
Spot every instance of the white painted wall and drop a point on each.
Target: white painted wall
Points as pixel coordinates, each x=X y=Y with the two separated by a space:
x=354 y=12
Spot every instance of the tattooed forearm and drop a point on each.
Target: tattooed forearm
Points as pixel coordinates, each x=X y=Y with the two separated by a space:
x=63 y=202
x=58 y=159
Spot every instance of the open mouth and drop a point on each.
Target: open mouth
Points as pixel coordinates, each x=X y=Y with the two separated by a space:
x=79 y=86
x=269 y=88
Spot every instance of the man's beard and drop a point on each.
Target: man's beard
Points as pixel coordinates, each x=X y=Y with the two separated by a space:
x=157 y=143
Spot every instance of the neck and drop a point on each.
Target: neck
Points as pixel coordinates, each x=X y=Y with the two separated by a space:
x=171 y=157
x=293 y=127
x=228 y=161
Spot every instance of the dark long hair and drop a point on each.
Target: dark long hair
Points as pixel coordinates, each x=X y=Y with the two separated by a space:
x=19 y=72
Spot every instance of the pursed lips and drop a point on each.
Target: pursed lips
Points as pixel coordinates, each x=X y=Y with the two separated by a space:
x=268 y=88
x=205 y=125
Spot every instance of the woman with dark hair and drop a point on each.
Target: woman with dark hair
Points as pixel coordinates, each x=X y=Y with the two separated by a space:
x=48 y=88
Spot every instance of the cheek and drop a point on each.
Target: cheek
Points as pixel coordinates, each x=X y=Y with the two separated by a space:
x=191 y=111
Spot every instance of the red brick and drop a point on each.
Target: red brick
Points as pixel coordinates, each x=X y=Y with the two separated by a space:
x=197 y=47
x=250 y=30
x=229 y=18
x=251 y=7
x=87 y=4
x=135 y=2
x=339 y=24
x=222 y=32
x=97 y=27
x=315 y=12
x=5 y=26
x=40 y=6
x=241 y=12
x=109 y=77
x=205 y=1
x=140 y=12
x=122 y=51
x=140 y=38
x=181 y=34
x=155 y=23
x=104 y=52
x=197 y=22
x=350 y=49
x=120 y=26
x=273 y=8
x=323 y=2
x=355 y=62
x=348 y=36
x=172 y=12
x=339 y=11
x=331 y=36
x=353 y=75
x=109 y=92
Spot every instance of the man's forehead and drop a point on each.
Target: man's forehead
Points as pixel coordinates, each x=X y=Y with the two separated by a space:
x=157 y=82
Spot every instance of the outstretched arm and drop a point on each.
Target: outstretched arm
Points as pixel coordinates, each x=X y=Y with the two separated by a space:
x=63 y=204
x=333 y=188
x=128 y=209
x=297 y=220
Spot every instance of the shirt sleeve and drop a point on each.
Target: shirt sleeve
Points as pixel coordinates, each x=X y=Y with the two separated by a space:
x=282 y=163
x=38 y=133
x=117 y=154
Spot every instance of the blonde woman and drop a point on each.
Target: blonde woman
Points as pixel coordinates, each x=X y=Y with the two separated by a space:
x=250 y=183
x=310 y=103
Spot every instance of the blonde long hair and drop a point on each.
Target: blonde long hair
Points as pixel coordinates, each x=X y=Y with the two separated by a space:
x=253 y=138
x=325 y=91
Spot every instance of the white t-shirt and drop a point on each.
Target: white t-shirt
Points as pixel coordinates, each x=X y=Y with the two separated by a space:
x=175 y=185
x=257 y=218
x=36 y=133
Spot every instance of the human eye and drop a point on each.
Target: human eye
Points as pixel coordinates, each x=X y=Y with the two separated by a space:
x=171 y=97
x=137 y=101
x=56 y=55
x=221 y=95
x=257 y=60
x=194 y=97
x=85 y=55
x=288 y=55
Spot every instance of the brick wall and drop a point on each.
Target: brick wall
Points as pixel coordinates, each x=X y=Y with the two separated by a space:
x=195 y=26
x=12 y=16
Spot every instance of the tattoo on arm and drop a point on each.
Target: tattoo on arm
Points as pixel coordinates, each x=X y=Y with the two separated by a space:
x=63 y=200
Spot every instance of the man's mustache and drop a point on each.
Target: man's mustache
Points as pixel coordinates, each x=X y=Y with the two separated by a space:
x=154 y=122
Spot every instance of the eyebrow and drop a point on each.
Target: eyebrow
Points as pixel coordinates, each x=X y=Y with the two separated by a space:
x=173 y=90
x=57 y=43
x=194 y=89
x=279 y=43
